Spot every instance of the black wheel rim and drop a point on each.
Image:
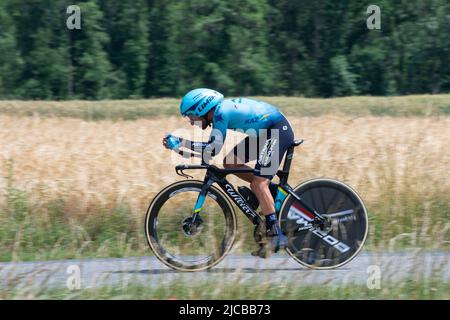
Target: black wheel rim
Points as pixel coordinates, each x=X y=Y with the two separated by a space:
x=332 y=246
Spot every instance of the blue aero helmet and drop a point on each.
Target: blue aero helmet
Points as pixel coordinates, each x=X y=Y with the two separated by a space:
x=199 y=101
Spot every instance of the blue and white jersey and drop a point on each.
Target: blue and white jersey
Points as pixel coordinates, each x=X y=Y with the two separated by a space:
x=246 y=115
x=240 y=114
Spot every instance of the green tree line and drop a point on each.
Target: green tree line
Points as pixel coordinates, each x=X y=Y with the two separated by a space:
x=153 y=48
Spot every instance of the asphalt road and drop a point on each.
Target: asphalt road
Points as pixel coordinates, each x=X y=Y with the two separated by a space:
x=280 y=268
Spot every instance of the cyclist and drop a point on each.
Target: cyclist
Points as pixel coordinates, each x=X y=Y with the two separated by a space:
x=269 y=135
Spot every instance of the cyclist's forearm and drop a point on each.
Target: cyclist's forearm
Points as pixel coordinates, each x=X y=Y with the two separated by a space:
x=201 y=147
x=193 y=145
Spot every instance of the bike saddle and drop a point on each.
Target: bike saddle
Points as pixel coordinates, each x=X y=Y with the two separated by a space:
x=298 y=142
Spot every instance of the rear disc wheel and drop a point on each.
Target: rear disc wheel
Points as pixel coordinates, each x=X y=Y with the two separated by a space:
x=337 y=243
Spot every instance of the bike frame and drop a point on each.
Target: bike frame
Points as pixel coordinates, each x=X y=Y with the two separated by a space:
x=218 y=175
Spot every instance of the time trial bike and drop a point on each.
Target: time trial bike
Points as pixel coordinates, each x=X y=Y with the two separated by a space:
x=191 y=225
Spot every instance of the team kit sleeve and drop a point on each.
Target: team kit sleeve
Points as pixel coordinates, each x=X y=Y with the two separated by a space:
x=215 y=142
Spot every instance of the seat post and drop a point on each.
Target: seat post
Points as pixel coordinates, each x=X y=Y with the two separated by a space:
x=287 y=165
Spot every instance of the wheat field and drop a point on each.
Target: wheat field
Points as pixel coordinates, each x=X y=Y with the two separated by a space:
x=399 y=166
x=108 y=162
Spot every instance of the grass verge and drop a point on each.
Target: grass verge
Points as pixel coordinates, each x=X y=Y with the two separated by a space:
x=414 y=105
x=47 y=231
x=405 y=290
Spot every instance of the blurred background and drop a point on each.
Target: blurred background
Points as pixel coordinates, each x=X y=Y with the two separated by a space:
x=151 y=48
x=83 y=112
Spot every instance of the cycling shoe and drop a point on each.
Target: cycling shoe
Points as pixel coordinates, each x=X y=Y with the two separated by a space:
x=275 y=240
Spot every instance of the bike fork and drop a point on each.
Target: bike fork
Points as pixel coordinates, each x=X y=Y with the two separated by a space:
x=201 y=200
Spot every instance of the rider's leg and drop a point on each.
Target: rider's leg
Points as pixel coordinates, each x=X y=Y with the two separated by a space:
x=237 y=159
x=277 y=140
x=232 y=161
x=246 y=176
x=276 y=238
x=246 y=193
x=260 y=187
x=242 y=154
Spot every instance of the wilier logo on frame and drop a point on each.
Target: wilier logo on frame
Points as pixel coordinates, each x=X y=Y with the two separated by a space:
x=74 y=20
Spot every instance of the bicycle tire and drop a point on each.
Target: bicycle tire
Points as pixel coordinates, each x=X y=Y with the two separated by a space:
x=152 y=234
